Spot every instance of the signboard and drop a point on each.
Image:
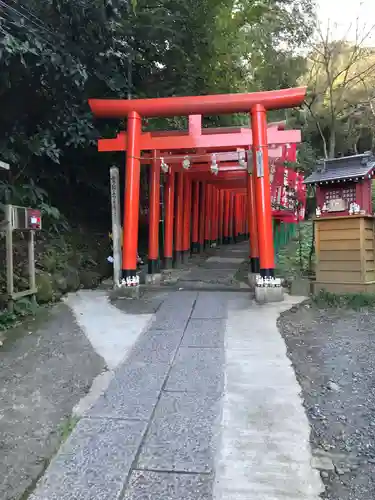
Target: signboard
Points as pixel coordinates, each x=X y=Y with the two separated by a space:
x=23 y=219
x=288 y=194
x=337 y=205
x=259 y=163
x=116 y=222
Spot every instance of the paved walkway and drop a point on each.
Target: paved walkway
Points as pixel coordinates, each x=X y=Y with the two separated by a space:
x=205 y=406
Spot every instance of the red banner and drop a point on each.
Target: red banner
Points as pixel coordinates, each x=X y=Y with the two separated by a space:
x=288 y=192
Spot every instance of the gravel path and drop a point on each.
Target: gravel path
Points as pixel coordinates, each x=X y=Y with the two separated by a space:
x=333 y=353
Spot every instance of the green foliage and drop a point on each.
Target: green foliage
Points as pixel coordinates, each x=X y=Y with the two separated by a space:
x=7 y=319
x=22 y=308
x=56 y=55
x=67 y=427
x=340 y=116
x=294 y=259
x=349 y=300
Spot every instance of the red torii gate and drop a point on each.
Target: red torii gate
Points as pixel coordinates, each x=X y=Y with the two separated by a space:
x=199 y=172
x=135 y=141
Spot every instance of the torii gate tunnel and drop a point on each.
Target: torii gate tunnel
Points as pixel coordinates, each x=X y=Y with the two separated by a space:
x=204 y=206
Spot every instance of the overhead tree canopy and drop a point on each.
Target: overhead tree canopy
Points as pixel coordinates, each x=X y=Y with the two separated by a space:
x=55 y=54
x=341 y=78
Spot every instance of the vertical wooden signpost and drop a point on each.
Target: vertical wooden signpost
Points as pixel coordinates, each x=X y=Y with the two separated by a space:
x=116 y=223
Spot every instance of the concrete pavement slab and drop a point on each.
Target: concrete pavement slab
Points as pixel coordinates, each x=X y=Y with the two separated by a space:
x=226 y=265
x=144 y=485
x=175 y=312
x=204 y=333
x=247 y=467
x=224 y=260
x=181 y=436
x=197 y=370
x=133 y=392
x=93 y=464
x=179 y=299
x=216 y=276
x=156 y=346
x=210 y=305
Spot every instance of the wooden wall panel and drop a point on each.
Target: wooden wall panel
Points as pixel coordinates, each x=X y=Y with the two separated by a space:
x=340 y=245
x=345 y=251
x=342 y=255
x=340 y=234
x=339 y=276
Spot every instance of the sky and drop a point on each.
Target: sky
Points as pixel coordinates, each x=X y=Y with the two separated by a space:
x=340 y=14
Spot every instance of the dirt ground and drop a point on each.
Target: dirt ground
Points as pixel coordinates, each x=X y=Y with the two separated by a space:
x=333 y=353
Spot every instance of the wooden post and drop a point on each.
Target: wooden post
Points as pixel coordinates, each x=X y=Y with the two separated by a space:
x=195 y=217
x=169 y=220
x=9 y=256
x=154 y=216
x=116 y=223
x=31 y=254
x=179 y=206
x=202 y=216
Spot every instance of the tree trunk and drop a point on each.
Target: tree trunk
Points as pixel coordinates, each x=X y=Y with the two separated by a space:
x=332 y=143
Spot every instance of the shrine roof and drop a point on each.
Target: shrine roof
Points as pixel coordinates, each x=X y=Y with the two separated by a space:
x=346 y=168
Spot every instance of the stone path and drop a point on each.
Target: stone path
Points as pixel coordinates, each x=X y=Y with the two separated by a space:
x=204 y=407
x=217 y=272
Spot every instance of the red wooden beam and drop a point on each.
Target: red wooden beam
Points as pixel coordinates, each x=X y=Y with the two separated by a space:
x=274 y=152
x=194 y=105
x=218 y=142
x=221 y=176
x=195 y=128
x=206 y=167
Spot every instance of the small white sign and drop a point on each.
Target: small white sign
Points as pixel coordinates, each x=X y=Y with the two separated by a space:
x=337 y=205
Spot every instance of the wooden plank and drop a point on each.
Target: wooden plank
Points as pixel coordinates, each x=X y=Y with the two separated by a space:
x=362 y=259
x=339 y=265
x=337 y=224
x=370 y=254
x=369 y=234
x=344 y=287
x=24 y=293
x=340 y=245
x=345 y=255
x=369 y=275
x=340 y=234
x=369 y=224
x=338 y=276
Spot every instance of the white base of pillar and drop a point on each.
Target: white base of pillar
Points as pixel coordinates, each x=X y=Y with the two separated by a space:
x=252 y=279
x=264 y=295
x=125 y=292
